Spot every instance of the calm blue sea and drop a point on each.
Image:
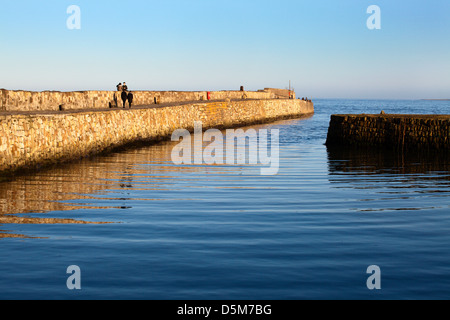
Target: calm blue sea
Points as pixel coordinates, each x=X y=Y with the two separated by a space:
x=226 y=232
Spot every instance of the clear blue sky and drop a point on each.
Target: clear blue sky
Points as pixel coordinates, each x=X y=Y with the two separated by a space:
x=322 y=46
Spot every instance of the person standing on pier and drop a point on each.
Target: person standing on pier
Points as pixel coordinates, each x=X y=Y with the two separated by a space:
x=130 y=99
x=124 y=98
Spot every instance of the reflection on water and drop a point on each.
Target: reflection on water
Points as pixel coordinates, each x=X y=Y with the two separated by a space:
x=77 y=185
x=376 y=161
x=101 y=183
x=391 y=175
x=11 y=219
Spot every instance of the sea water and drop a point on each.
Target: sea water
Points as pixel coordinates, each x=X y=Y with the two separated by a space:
x=140 y=227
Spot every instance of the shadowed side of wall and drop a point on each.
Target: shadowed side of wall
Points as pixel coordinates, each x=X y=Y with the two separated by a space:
x=390 y=131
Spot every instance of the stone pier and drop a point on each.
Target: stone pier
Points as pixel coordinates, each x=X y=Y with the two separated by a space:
x=390 y=131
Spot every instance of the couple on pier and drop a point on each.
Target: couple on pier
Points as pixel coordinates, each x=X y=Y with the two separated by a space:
x=122 y=87
x=125 y=95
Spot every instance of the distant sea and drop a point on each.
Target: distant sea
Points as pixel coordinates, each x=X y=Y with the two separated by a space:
x=140 y=227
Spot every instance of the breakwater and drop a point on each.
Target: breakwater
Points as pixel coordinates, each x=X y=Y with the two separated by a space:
x=390 y=131
x=29 y=141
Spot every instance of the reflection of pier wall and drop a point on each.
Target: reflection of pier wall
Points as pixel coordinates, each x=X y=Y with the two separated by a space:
x=49 y=190
x=85 y=184
x=27 y=141
x=373 y=161
x=390 y=131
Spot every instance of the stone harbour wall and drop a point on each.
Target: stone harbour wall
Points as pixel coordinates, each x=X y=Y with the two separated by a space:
x=83 y=100
x=390 y=131
x=28 y=141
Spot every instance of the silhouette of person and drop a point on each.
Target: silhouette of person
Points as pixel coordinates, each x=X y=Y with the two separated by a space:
x=124 y=98
x=125 y=87
x=130 y=99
